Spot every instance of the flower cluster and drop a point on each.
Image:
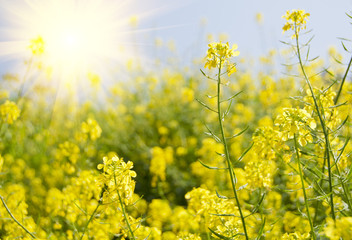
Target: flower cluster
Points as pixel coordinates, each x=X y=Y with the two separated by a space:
x=294 y=121
x=68 y=154
x=267 y=143
x=296 y=20
x=160 y=159
x=219 y=55
x=91 y=128
x=332 y=115
x=9 y=112
x=117 y=178
x=37 y=46
x=219 y=214
x=341 y=229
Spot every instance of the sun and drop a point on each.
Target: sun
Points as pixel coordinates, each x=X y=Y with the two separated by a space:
x=77 y=33
x=72 y=37
x=76 y=39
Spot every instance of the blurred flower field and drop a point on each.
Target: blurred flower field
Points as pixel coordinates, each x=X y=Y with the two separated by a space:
x=221 y=153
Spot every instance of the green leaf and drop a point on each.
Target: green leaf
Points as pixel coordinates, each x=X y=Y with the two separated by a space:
x=212 y=134
x=261 y=230
x=344 y=47
x=227 y=110
x=223 y=237
x=242 y=187
x=338 y=105
x=222 y=197
x=342 y=124
x=209 y=167
x=220 y=154
x=245 y=152
x=238 y=134
x=232 y=97
x=206 y=106
x=225 y=215
x=257 y=206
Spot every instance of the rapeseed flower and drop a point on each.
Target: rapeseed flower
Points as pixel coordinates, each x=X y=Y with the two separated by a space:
x=341 y=229
x=296 y=20
x=117 y=176
x=295 y=121
x=37 y=46
x=219 y=55
x=9 y=112
x=91 y=128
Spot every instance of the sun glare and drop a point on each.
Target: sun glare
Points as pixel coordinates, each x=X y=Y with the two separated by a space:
x=73 y=37
x=76 y=35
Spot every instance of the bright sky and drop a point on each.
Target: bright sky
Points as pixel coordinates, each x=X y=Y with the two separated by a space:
x=183 y=22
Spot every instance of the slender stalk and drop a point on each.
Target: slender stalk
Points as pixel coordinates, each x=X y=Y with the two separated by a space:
x=227 y=155
x=124 y=210
x=320 y=183
x=303 y=188
x=342 y=82
x=322 y=122
x=90 y=219
x=13 y=217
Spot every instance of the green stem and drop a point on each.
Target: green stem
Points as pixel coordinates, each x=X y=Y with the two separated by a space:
x=161 y=191
x=326 y=136
x=124 y=210
x=303 y=188
x=227 y=155
x=13 y=217
x=91 y=218
x=342 y=82
x=208 y=236
x=320 y=184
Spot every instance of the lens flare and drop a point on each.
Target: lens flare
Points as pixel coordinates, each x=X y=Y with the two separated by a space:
x=72 y=37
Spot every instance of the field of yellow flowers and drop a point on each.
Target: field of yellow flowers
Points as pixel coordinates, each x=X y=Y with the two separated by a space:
x=220 y=153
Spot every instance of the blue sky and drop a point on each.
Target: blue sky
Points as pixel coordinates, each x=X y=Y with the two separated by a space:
x=237 y=19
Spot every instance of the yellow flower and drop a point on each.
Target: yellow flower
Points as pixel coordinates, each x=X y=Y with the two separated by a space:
x=295 y=121
x=159 y=213
x=37 y=46
x=295 y=236
x=218 y=55
x=259 y=18
x=92 y=128
x=9 y=112
x=117 y=176
x=57 y=226
x=188 y=236
x=187 y=95
x=160 y=159
x=94 y=79
x=69 y=150
x=341 y=229
x=133 y=21
x=296 y=20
